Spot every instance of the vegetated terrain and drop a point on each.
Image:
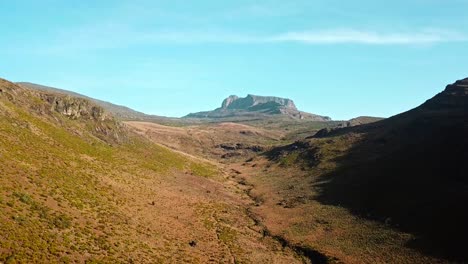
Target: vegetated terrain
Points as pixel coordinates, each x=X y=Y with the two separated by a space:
x=221 y=141
x=389 y=191
x=366 y=190
x=77 y=186
x=236 y=189
x=232 y=140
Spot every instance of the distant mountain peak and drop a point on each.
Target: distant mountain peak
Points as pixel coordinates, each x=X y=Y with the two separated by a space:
x=235 y=102
x=255 y=106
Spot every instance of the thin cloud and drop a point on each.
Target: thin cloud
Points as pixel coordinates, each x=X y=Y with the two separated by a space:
x=115 y=36
x=369 y=38
x=314 y=37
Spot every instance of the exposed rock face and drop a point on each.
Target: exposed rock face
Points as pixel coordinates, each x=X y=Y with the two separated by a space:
x=47 y=103
x=257 y=106
x=234 y=102
x=118 y=111
x=105 y=126
x=9 y=90
x=228 y=101
x=74 y=108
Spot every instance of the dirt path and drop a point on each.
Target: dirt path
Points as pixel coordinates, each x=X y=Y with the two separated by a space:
x=239 y=173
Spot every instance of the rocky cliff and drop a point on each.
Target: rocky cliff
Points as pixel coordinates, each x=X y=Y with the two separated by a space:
x=74 y=107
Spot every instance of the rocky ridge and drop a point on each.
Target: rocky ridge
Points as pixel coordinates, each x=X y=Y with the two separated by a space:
x=48 y=104
x=118 y=111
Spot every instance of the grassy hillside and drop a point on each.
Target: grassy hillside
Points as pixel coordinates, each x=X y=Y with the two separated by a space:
x=71 y=191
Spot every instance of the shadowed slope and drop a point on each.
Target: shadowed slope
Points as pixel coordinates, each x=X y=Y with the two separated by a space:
x=408 y=171
x=411 y=170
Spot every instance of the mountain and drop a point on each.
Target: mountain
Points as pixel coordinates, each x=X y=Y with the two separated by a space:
x=234 y=102
x=254 y=106
x=408 y=171
x=119 y=111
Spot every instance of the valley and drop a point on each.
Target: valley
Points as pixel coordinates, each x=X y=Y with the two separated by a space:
x=89 y=184
x=233 y=132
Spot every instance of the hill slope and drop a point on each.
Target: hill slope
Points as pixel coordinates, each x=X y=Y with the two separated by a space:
x=77 y=186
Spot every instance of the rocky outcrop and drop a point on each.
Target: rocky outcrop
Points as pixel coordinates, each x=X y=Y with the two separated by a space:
x=118 y=111
x=54 y=107
x=104 y=126
x=241 y=146
x=75 y=108
x=9 y=90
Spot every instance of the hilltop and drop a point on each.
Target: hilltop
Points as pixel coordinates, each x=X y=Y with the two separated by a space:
x=253 y=106
x=119 y=111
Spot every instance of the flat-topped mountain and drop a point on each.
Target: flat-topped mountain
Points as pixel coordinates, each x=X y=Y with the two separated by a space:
x=257 y=106
x=234 y=102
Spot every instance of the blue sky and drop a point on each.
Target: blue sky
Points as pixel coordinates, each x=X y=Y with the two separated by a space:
x=332 y=57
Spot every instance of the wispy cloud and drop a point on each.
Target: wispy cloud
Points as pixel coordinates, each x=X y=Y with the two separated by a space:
x=114 y=36
x=342 y=36
x=369 y=37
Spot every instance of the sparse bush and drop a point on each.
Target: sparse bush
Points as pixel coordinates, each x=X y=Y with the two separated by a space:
x=24 y=198
x=62 y=221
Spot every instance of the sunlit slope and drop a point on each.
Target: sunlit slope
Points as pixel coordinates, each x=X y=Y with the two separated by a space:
x=76 y=186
